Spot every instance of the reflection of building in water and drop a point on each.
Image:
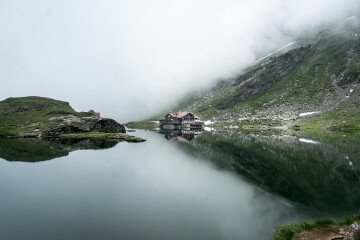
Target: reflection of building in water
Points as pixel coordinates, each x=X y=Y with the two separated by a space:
x=181 y=135
x=180 y=120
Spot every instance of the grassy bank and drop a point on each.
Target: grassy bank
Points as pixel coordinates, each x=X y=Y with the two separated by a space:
x=101 y=135
x=287 y=232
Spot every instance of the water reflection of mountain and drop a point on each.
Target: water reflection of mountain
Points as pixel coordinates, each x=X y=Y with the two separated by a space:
x=317 y=174
x=181 y=135
x=35 y=150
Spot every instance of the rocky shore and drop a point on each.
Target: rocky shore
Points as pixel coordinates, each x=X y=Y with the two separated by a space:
x=71 y=126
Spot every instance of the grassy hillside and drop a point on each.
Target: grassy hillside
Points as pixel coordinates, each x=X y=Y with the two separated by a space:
x=29 y=113
x=344 y=117
x=321 y=73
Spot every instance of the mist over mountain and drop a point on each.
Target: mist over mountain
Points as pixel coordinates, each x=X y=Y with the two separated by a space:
x=316 y=76
x=131 y=59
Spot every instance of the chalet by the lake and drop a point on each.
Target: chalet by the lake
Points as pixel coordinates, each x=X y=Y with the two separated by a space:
x=181 y=119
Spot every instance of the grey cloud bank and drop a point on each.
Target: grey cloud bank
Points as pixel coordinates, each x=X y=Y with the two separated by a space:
x=129 y=59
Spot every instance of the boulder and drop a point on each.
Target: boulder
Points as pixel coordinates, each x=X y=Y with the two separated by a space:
x=72 y=124
x=354 y=232
x=108 y=125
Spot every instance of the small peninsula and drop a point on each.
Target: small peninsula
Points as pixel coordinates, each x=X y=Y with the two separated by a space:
x=39 y=117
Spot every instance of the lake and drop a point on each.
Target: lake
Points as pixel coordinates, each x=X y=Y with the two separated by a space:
x=176 y=185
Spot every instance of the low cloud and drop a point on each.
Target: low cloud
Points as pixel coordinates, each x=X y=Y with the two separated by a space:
x=130 y=59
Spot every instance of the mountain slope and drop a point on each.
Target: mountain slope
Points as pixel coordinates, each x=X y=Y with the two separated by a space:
x=317 y=75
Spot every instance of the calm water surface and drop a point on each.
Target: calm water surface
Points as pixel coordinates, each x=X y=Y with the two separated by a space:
x=215 y=186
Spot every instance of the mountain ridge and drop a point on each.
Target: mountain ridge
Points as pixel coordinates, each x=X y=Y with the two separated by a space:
x=316 y=76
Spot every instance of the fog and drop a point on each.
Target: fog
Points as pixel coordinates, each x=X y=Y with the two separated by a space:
x=131 y=59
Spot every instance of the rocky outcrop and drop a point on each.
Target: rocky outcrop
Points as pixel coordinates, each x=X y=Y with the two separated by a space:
x=354 y=232
x=73 y=124
x=108 y=125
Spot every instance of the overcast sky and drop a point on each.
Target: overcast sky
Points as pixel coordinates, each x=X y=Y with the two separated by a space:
x=129 y=59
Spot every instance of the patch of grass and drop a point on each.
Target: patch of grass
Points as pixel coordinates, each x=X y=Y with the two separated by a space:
x=207 y=114
x=142 y=125
x=258 y=124
x=81 y=135
x=335 y=120
x=101 y=136
x=286 y=232
x=345 y=117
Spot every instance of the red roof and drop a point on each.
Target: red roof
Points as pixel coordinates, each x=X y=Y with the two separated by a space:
x=181 y=114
